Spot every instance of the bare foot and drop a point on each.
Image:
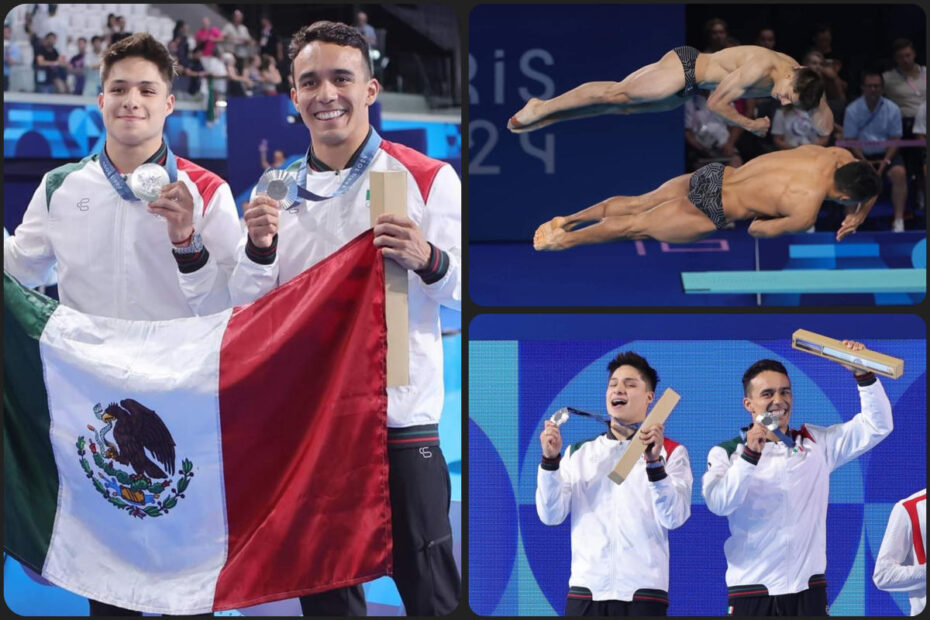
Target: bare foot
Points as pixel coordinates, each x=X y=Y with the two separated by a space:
x=526 y=119
x=551 y=236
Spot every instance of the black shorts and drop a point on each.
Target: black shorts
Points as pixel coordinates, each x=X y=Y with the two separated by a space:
x=688 y=56
x=704 y=191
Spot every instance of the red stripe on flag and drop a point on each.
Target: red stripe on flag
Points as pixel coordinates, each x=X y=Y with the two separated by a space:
x=911 y=507
x=303 y=414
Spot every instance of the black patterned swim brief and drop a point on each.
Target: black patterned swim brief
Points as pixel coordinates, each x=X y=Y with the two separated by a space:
x=704 y=191
x=688 y=56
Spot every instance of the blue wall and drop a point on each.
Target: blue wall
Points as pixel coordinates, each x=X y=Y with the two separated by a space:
x=515 y=52
x=522 y=368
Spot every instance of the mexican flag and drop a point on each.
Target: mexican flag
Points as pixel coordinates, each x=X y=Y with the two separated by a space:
x=204 y=463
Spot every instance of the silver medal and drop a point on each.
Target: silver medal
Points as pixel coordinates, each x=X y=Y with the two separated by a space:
x=560 y=417
x=767 y=420
x=279 y=185
x=147 y=180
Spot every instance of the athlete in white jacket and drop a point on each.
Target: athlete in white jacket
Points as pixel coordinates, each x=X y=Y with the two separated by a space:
x=620 y=557
x=333 y=90
x=901 y=565
x=118 y=256
x=775 y=495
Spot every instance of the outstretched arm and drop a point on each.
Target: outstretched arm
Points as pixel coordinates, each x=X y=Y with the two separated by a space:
x=773 y=227
x=732 y=88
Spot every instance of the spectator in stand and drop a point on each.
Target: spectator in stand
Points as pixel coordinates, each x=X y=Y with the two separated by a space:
x=180 y=44
x=715 y=35
x=92 y=66
x=834 y=87
x=238 y=83
x=209 y=36
x=11 y=55
x=872 y=117
x=120 y=33
x=252 y=68
x=77 y=65
x=51 y=67
x=110 y=28
x=269 y=76
x=766 y=38
x=362 y=25
x=236 y=37
x=196 y=71
x=707 y=135
x=906 y=85
x=269 y=43
x=216 y=72
x=792 y=127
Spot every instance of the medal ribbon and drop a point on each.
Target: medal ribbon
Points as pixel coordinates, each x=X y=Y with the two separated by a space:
x=118 y=181
x=372 y=144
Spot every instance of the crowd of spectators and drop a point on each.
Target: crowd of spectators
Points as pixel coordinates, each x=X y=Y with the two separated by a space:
x=213 y=63
x=889 y=104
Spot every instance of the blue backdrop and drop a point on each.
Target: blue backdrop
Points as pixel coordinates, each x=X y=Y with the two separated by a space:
x=516 y=182
x=522 y=368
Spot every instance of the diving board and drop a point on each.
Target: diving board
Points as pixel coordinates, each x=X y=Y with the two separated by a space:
x=806 y=281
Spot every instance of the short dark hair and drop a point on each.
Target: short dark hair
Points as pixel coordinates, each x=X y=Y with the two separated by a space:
x=899 y=44
x=858 y=179
x=140 y=45
x=96 y=37
x=758 y=368
x=871 y=71
x=809 y=86
x=628 y=358
x=329 y=32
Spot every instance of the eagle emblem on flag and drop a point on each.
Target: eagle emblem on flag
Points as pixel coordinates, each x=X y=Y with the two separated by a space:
x=149 y=488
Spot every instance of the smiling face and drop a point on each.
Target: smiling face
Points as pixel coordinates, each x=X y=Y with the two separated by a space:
x=628 y=395
x=134 y=103
x=770 y=391
x=333 y=90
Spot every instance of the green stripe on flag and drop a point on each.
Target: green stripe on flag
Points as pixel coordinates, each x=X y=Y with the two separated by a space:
x=30 y=479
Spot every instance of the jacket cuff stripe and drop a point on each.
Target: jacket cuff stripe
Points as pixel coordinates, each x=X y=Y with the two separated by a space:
x=550 y=464
x=750 y=456
x=866 y=379
x=656 y=473
x=189 y=263
x=437 y=266
x=262 y=256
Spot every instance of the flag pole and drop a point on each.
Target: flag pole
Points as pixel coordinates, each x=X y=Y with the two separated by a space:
x=389 y=195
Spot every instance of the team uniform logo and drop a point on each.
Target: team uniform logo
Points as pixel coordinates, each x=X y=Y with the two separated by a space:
x=148 y=488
